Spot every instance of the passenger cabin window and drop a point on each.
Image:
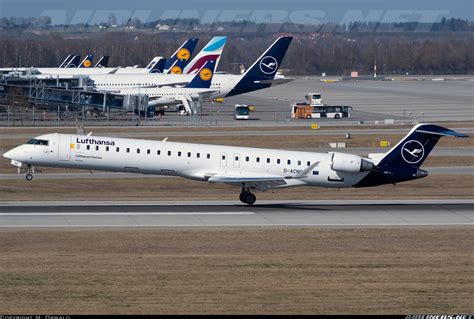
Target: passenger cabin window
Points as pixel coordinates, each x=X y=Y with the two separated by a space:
x=299 y=163
x=268 y=160
x=88 y=147
x=106 y=148
x=148 y=151
x=308 y=163
x=158 y=152
x=288 y=162
x=179 y=154
x=208 y=156
x=128 y=150
x=258 y=159
x=169 y=153
x=97 y=147
x=223 y=157
x=278 y=161
x=247 y=158
x=236 y=158
x=198 y=155
x=117 y=149
x=138 y=151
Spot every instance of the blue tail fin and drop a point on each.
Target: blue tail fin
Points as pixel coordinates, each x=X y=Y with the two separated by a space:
x=87 y=62
x=403 y=161
x=66 y=61
x=203 y=78
x=158 y=66
x=264 y=69
x=182 y=56
x=103 y=62
x=74 y=62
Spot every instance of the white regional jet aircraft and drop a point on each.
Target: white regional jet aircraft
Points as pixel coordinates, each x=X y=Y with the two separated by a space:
x=245 y=167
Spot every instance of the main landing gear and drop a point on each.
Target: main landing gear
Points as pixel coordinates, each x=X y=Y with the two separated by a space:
x=247 y=197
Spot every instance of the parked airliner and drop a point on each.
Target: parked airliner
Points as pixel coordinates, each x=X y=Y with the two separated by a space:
x=244 y=167
x=260 y=75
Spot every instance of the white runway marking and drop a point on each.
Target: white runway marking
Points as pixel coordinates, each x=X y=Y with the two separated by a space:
x=127 y=214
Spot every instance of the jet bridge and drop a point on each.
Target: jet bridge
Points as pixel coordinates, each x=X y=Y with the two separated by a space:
x=72 y=92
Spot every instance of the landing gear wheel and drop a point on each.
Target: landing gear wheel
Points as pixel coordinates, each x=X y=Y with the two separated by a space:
x=29 y=177
x=242 y=196
x=249 y=198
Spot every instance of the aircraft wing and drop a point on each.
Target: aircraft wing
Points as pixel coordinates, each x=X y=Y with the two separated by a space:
x=262 y=183
x=206 y=94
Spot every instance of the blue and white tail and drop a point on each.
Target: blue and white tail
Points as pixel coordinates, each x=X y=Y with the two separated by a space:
x=87 y=62
x=66 y=61
x=203 y=79
x=262 y=72
x=103 y=62
x=158 y=66
x=181 y=57
x=403 y=161
x=74 y=62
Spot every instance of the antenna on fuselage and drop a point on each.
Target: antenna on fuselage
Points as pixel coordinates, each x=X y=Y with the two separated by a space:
x=89 y=134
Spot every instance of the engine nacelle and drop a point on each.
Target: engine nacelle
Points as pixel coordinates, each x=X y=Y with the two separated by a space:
x=349 y=163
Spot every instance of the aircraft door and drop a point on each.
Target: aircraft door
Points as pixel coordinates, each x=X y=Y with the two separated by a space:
x=236 y=160
x=223 y=159
x=64 y=148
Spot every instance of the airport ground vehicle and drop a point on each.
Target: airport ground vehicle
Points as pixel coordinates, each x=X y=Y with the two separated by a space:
x=313 y=108
x=241 y=112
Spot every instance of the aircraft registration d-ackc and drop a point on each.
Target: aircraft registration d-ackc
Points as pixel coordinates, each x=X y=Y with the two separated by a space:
x=245 y=167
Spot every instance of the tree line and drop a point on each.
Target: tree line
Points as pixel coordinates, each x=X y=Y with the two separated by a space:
x=309 y=54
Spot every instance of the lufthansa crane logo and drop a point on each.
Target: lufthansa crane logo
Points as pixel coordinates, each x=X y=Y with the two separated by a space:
x=413 y=151
x=176 y=70
x=268 y=65
x=183 y=54
x=87 y=63
x=205 y=74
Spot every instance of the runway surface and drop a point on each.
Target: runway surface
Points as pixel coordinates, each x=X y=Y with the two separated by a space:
x=319 y=214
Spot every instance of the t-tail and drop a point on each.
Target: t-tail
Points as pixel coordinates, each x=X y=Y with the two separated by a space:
x=203 y=79
x=403 y=161
x=212 y=51
x=103 y=62
x=262 y=72
x=66 y=61
x=158 y=66
x=74 y=62
x=87 y=62
x=180 y=59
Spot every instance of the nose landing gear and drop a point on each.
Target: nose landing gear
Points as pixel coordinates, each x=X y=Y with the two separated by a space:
x=29 y=177
x=247 y=197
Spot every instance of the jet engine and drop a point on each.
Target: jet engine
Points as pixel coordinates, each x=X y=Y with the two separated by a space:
x=348 y=163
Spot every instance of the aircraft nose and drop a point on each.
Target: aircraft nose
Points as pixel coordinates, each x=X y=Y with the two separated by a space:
x=8 y=154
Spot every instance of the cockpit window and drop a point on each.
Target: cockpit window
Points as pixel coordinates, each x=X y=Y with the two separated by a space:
x=38 y=142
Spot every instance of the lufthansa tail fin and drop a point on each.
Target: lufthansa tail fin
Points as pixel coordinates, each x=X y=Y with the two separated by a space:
x=66 y=61
x=87 y=62
x=203 y=79
x=103 y=62
x=158 y=66
x=403 y=161
x=152 y=63
x=266 y=66
x=74 y=62
x=181 y=57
